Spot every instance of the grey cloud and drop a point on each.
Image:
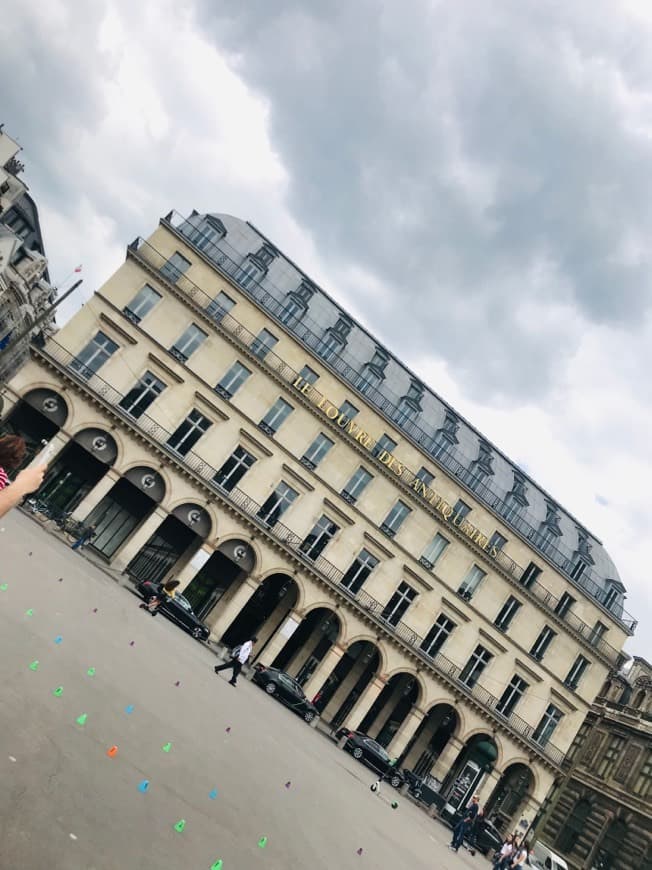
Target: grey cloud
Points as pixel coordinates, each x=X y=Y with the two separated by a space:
x=454 y=150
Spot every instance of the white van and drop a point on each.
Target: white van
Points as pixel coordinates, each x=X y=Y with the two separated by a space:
x=543 y=858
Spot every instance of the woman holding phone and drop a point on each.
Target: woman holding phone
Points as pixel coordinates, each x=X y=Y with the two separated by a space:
x=12 y=453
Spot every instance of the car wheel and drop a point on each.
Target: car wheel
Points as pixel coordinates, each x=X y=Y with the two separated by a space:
x=395 y=781
x=197 y=633
x=308 y=716
x=270 y=688
x=357 y=753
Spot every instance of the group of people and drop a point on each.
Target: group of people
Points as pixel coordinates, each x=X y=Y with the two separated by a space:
x=512 y=855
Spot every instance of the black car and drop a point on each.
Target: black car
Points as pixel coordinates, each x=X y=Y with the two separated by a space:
x=280 y=685
x=371 y=753
x=483 y=836
x=177 y=609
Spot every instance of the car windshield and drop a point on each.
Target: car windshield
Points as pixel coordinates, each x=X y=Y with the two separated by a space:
x=377 y=748
x=183 y=602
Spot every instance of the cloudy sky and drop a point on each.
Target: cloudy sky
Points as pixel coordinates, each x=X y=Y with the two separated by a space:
x=472 y=180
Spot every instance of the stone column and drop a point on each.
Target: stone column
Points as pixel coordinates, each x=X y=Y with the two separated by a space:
x=322 y=671
x=95 y=496
x=188 y=572
x=487 y=785
x=406 y=732
x=138 y=539
x=365 y=702
x=278 y=640
x=387 y=709
x=227 y=613
x=447 y=758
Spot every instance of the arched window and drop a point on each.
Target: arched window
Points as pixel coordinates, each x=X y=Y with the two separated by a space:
x=568 y=835
x=639 y=700
x=611 y=846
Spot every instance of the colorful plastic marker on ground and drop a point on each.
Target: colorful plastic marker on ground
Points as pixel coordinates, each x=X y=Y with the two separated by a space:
x=394 y=805
x=180 y=825
x=178 y=683
x=360 y=851
x=4 y=587
x=166 y=747
x=228 y=730
x=112 y=751
x=129 y=708
x=212 y=794
x=29 y=612
x=132 y=642
x=91 y=672
x=81 y=720
x=95 y=610
x=58 y=639
x=288 y=784
x=58 y=692
x=262 y=842
x=34 y=665
x=217 y=865
x=143 y=786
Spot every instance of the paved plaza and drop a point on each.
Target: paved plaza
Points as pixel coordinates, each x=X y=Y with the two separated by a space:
x=66 y=805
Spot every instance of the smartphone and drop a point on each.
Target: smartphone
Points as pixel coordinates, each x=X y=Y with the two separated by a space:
x=45 y=456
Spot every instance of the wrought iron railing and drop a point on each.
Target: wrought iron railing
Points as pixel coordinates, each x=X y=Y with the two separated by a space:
x=151 y=257
x=364 y=602
x=274 y=300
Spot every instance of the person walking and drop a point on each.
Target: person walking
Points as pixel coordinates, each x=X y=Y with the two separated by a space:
x=475 y=829
x=239 y=657
x=520 y=856
x=155 y=602
x=86 y=536
x=468 y=817
x=503 y=858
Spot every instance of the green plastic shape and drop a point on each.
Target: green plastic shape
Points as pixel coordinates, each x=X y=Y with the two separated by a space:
x=4 y=587
x=58 y=692
x=180 y=825
x=167 y=747
x=217 y=865
x=34 y=665
x=91 y=672
x=29 y=612
x=81 y=720
x=262 y=842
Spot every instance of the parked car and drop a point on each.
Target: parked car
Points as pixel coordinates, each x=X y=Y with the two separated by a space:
x=487 y=835
x=177 y=609
x=280 y=685
x=371 y=753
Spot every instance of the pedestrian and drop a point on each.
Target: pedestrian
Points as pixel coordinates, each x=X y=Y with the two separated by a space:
x=474 y=831
x=87 y=535
x=12 y=453
x=520 y=856
x=461 y=828
x=156 y=601
x=502 y=859
x=239 y=657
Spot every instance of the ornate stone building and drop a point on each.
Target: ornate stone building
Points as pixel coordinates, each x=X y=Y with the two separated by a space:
x=221 y=419
x=600 y=814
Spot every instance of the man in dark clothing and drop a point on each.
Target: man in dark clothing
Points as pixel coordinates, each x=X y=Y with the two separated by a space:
x=475 y=829
x=239 y=657
x=460 y=829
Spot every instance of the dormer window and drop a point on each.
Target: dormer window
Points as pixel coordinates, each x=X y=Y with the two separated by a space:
x=405 y=412
x=445 y=438
x=305 y=291
x=204 y=230
x=368 y=380
x=293 y=310
x=331 y=345
x=515 y=499
x=249 y=273
x=549 y=529
x=612 y=594
x=342 y=328
x=265 y=254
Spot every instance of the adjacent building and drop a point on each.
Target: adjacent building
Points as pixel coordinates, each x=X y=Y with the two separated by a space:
x=25 y=289
x=221 y=419
x=600 y=814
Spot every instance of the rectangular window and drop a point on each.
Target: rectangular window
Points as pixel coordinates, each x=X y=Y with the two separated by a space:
x=425 y=476
x=188 y=433
x=564 y=604
x=542 y=643
x=368 y=381
x=350 y=411
x=461 y=510
x=546 y=727
x=476 y=664
x=309 y=375
x=597 y=632
x=395 y=518
x=322 y=532
x=276 y=416
x=578 y=742
x=397 y=605
x=317 y=450
x=353 y=489
x=507 y=613
x=358 y=571
x=511 y=696
x=433 y=551
x=496 y=540
x=278 y=502
x=175 y=267
x=384 y=443
x=330 y=346
x=234 y=469
x=220 y=306
x=232 y=380
x=643 y=782
x=92 y=357
x=510 y=508
x=263 y=343
x=471 y=582
x=609 y=758
x=140 y=397
x=292 y=312
x=576 y=673
x=530 y=575
x=188 y=342
x=610 y=597
x=404 y=413
x=577 y=569
x=142 y=303
x=437 y=636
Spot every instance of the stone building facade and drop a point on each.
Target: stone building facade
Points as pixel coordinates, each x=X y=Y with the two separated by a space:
x=600 y=814
x=222 y=420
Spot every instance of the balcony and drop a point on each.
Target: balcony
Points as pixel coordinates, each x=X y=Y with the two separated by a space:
x=442 y=667
x=151 y=259
x=273 y=300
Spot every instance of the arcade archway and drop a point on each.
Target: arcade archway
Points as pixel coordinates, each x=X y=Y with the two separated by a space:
x=305 y=649
x=390 y=708
x=430 y=740
x=80 y=465
x=511 y=791
x=178 y=535
x=217 y=580
x=264 y=613
x=36 y=417
x=347 y=681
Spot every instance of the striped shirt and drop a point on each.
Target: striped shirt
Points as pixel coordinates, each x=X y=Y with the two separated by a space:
x=4 y=480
